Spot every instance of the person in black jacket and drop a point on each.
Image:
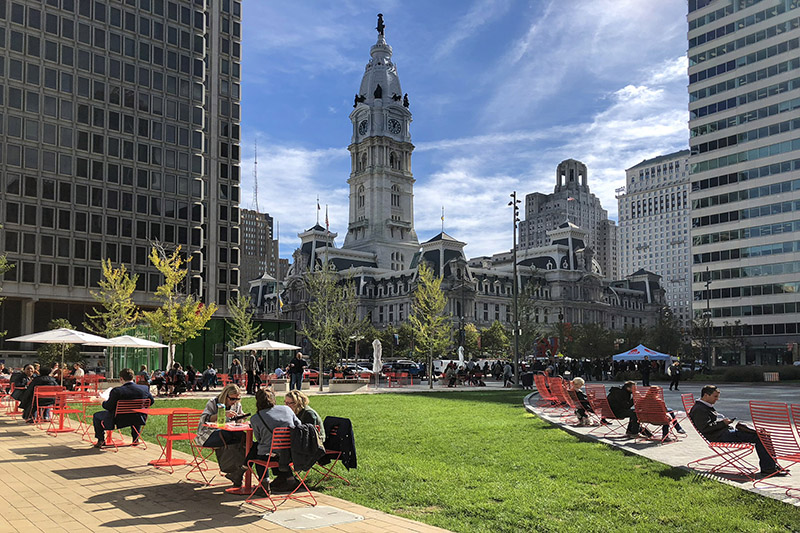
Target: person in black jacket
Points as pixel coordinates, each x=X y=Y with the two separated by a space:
x=20 y=380
x=105 y=420
x=675 y=374
x=645 y=369
x=620 y=399
x=715 y=427
x=26 y=402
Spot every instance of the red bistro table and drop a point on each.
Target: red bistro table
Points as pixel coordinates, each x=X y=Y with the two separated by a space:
x=248 y=443
x=168 y=460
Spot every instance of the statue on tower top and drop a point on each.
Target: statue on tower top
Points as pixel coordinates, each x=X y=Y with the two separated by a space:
x=381 y=25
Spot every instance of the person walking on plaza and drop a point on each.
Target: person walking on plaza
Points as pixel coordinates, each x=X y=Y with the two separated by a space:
x=715 y=427
x=646 y=372
x=296 y=368
x=105 y=420
x=675 y=374
x=251 y=367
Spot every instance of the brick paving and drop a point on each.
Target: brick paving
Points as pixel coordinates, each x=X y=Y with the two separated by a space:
x=678 y=454
x=62 y=484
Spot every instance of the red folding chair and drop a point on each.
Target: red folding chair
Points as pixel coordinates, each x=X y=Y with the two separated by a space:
x=731 y=454
x=13 y=409
x=43 y=394
x=200 y=462
x=331 y=458
x=564 y=402
x=651 y=410
x=596 y=394
x=774 y=427
x=127 y=407
x=281 y=440
x=546 y=398
x=573 y=396
x=184 y=427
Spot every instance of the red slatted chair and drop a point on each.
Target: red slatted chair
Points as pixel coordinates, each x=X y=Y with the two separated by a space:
x=85 y=426
x=731 y=454
x=281 y=440
x=13 y=407
x=200 y=463
x=774 y=426
x=224 y=379
x=566 y=409
x=614 y=426
x=330 y=455
x=573 y=396
x=43 y=393
x=546 y=398
x=795 y=410
x=127 y=407
x=184 y=427
x=62 y=410
x=651 y=410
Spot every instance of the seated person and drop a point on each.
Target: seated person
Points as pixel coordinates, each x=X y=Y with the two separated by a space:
x=269 y=417
x=298 y=402
x=620 y=399
x=159 y=381
x=20 y=380
x=580 y=412
x=105 y=420
x=280 y=373
x=652 y=392
x=177 y=379
x=715 y=427
x=228 y=445
x=26 y=401
x=144 y=377
x=77 y=374
x=191 y=377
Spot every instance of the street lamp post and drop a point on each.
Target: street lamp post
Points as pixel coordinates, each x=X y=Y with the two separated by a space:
x=707 y=316
x=514 y=203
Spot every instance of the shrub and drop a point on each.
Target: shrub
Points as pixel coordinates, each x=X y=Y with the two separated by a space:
x=755 y=373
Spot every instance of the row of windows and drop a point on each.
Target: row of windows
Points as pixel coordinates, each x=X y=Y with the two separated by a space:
x=747 y=40
x=748 y=155
x=755 y=310
x=745 y=175
x=742 y=23
x=756 y=114
x=775 y=269
x=744 y=214
x=731 y=7
x=741 y=81
x=742 y=61
x=749 y=290
x=661 y=204
x=752 y=251
x=747 y=194
x=747 y=136
x=766 y=230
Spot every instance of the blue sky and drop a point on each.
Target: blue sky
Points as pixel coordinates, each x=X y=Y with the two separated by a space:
x=501 y=92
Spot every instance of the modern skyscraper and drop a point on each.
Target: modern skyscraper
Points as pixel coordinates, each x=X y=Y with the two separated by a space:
x=571 y=200
x=744 y=96
x=654 y=227
x=120 y=129
x=259 y=249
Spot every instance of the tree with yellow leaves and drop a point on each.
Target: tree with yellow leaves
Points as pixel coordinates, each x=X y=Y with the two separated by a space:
x=118 y=312
x=181 y=317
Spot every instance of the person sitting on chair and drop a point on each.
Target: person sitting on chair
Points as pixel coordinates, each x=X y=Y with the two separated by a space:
x=26 y=401
x=105 y=420
x=298 y=402
x=620 y=399
x=715 y=427
x=580 y=412
x=228 y=445
x=269 y=417
x=20 y=380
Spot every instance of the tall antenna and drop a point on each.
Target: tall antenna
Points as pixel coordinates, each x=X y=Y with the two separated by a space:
x=255 y=178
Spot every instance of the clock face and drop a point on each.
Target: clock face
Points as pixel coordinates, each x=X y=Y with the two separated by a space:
x=394 y=125
x=362 y=127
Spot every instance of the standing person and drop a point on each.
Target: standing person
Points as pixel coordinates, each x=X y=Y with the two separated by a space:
x=228 y=445
x=646 y=371
x=296 y=368
x=715 y=427
x=105 y=420
x=235 y=371
x=508 y=373
x=250 y=366
x=675 y=374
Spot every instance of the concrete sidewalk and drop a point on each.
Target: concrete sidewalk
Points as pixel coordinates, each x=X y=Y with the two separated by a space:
x=62 y=484
x=676 y=454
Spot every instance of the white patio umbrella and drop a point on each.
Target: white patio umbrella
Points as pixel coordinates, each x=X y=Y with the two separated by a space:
x=125 y=342
x=377 y=352
x=267 y=345
x=460 y=357
x=62 y=336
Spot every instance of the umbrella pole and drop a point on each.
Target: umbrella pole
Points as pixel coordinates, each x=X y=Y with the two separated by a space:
x=62 y=364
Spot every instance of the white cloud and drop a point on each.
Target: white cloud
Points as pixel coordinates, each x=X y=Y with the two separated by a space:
x=480 y=14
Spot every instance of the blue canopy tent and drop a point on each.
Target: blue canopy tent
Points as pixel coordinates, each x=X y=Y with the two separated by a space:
x=638 y=353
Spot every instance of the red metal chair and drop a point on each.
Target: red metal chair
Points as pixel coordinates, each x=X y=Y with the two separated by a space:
x=184 y=427
x=596 y=394
x=546 y=398
x=42 y=396
x=281 y=440
x=62 y=410
x=13 y=409
x=651 y=410
x=564 y=402
x=331 y=458
x=774 y=427
x=573 y=396
x=127 y=407
x=200 y=463
x=731 y=454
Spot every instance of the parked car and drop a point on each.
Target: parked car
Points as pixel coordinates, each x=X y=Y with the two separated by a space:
x=310 y=374
x=413 y=369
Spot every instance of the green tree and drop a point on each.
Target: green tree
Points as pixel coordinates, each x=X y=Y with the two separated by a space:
x=243 y=329
x=181 y=317
x=528 y=301
x=49 y=353
x=494 y=340
x=118 y=312
x=733 y=341
x=431 y=326
x=665 y=335
x=563 y=331
x=592 y=341
x=472 y=340
x=349 y=326
x=633 y=336
x=322 y=319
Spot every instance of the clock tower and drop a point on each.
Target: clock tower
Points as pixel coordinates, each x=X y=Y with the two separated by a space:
x=381 y=184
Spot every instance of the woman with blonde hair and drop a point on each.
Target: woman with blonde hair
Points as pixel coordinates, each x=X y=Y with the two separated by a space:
x=228 y=445
x=298 y=402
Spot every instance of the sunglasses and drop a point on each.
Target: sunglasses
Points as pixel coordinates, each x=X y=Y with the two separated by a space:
x=234 y=398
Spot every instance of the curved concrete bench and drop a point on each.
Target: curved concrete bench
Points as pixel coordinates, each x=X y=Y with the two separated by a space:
x=347 y=385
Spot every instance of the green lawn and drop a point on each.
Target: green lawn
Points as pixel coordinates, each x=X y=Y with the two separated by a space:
x=478 y=461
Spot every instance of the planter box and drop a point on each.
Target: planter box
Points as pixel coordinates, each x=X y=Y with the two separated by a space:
x=347 y=385
x=279 y=385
